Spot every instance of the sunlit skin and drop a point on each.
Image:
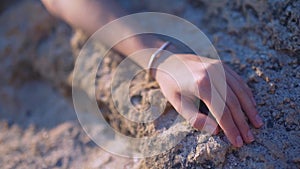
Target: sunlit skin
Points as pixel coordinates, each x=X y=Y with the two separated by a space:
x=90 y=15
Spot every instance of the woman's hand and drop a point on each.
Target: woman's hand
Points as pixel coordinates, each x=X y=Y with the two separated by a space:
x=183 y=78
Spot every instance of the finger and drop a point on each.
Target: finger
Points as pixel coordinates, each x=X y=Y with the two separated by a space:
x=222 y=114
x=238 y=116
x=185 y=106
x=244 y=99
x=227 y=124
x=241 y=81
x=235 y=109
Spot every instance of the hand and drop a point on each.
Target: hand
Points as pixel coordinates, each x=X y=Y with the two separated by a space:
x=184 y=78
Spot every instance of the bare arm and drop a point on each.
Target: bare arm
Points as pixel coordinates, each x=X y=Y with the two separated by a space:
x=91 y=15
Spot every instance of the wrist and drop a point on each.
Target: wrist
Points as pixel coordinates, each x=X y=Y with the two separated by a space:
x=162 y=64
x=137 y=43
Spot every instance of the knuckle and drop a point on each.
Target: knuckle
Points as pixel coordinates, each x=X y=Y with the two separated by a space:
x=239 y=90
x=226 y=112
x=234 y=103
x=233 y=130
x=203 y=80
x=244 y=125
x=223 y=116
x=197 y=122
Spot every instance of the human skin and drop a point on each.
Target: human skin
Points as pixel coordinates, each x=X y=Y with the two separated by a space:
x=172 y=71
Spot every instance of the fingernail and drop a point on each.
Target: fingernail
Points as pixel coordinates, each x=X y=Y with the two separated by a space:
x=250 y=136
x=239 y=141
x=259 y=120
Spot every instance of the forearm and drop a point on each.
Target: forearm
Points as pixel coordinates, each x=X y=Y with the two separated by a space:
x=91 y=15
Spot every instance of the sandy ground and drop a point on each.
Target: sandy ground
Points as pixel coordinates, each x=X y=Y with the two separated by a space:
x=39 y=128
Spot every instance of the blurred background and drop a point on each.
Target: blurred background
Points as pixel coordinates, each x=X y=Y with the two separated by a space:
x=38 y=126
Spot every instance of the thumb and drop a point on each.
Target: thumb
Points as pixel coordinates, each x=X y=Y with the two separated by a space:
x=186 y=108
